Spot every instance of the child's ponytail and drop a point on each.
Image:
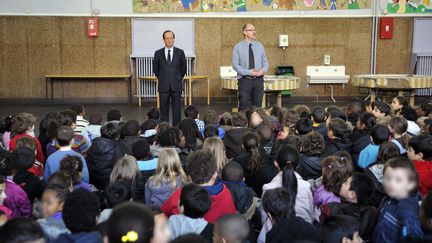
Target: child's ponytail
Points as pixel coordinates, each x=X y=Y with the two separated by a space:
x=251 y=145
x=287 y=159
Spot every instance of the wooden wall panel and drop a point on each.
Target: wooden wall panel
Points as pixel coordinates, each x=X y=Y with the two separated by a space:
x=43 y=52
x=394 y=54
x=31 y=47
x=15 y=55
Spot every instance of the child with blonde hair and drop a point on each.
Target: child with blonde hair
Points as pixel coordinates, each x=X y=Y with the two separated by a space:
x=168 y=177
x=217 y=148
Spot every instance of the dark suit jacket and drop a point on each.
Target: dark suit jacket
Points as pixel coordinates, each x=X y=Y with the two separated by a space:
x=170 y=76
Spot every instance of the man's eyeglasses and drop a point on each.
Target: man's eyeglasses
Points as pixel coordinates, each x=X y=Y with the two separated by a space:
x=253 y=30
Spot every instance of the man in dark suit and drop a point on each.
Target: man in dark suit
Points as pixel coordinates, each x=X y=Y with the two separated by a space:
x=169 y=66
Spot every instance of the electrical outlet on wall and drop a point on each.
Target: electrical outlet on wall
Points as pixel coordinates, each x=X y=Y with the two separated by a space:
x=326 y=59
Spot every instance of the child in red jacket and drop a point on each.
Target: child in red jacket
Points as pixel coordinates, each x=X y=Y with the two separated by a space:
x=23 y=125
x=420 y=153
x=201 y=168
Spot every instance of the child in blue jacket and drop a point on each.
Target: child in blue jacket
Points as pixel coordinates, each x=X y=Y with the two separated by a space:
x=399 y=213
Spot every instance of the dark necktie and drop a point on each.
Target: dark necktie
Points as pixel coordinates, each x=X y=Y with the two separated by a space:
x=169 y=57
x=251 y=57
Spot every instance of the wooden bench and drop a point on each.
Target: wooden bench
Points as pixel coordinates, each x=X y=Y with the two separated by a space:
x=49 y=81
x=189 y=79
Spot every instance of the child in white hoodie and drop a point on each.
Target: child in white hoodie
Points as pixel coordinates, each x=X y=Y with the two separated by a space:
x=92 y=131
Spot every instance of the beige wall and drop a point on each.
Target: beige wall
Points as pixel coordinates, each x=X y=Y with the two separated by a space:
x=31 y=47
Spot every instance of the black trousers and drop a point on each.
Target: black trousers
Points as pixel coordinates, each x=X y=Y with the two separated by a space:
x=250 y=92
x=175 y=106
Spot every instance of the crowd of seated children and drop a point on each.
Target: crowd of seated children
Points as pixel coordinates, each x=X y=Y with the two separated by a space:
x=327 y=174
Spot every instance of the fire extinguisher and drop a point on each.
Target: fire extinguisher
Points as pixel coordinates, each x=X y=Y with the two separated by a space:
x=93 y=27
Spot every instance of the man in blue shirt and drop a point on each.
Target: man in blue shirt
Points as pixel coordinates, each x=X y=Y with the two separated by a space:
x=250 y=63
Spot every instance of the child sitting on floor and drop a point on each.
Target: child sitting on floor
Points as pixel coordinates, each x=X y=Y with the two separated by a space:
x=335 y=171
x=32 y=185
x=6 y=211
x=68 y=118
x=192 y=112
x=115 y=194
x=398 y=103
x=231 y=228
x=37 y=167
x=369 y=155
x=319 y=117
x=243 y=196
x=130 y=222
x=338 y=133
x=149 y=131
x=201 y=169
x=65 y=139
x=23 y=125
x=426 y=218
x=194 y=204
x=168 y=177
x=420 y=153
x=73 y=166
x=81 y=123
x=398 y=215
x=147 y=164
x=360 y=136
x=210 y=118
x=79 y=214
x=381 y=112
x=92 y=131
x=398 y=127
x=340 y=229
x=53 y=200
x=16 y=199
x=355 y=194
x=312 y=147
x=279 y=206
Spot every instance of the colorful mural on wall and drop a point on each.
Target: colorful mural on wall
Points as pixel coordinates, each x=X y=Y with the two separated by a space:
x=409 y=6
x=172 y=6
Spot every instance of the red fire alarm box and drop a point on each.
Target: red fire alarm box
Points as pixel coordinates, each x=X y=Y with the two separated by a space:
x=386 y=28
x=92 y=27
